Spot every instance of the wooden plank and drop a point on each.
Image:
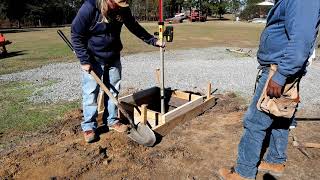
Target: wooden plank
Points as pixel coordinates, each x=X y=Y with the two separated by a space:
x=182 y=109
x=184 y=95
x=140 y=97
x=164 y=129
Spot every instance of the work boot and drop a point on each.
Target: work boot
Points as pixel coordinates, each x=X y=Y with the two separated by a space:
x=273 y=169
x=119 y=127
x=89 y=136
x=227 y=174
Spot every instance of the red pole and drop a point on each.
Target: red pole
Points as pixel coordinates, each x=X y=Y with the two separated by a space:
x=160 y=11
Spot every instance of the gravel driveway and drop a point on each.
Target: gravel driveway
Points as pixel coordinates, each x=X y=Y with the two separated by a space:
x=184 y=69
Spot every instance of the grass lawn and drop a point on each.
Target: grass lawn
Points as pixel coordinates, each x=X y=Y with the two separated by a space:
x=16 y=113
x=37 y=47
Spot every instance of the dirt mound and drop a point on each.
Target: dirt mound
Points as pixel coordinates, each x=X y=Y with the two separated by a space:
x=194 y=150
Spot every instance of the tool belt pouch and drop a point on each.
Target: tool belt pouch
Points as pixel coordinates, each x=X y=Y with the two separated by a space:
x=286 y=105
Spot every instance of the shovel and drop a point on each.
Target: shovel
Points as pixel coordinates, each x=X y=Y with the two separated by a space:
x=141 y=133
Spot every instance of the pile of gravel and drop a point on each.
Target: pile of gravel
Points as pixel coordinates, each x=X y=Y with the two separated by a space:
x=184 y=69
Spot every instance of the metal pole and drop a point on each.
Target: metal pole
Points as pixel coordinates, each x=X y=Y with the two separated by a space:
x=161 y=29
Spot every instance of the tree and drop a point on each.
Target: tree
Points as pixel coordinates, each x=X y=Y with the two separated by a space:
x=219 y=7
x=234 y=6
x=14 y=10
x=252 y=10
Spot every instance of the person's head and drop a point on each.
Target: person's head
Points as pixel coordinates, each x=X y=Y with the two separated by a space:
x=105 y=6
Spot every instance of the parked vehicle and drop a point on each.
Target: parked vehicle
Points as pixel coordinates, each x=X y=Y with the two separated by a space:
x=197 y=15
x=178 y=18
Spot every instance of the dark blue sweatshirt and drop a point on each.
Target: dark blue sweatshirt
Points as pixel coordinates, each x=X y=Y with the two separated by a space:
x=289 y=37
x=91 y=38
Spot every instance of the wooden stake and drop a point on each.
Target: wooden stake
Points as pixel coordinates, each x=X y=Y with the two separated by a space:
x=209 y=91
x=143 y=109
x=100 y=102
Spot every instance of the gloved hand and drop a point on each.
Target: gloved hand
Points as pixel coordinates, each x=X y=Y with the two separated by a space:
x=159 y=43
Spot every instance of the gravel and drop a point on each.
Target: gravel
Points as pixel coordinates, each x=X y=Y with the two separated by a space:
x=188 y=70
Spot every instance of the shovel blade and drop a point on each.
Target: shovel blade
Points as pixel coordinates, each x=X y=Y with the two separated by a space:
x=143 y=135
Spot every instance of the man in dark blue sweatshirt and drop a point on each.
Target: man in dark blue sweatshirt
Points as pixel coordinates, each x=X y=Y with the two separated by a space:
x=287 y=41
x=95 y=35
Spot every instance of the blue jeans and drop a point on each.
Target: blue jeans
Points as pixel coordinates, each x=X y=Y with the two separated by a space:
x=90 y=89
x=257 y=125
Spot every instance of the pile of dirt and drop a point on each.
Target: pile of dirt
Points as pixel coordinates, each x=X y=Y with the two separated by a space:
x=193 y=150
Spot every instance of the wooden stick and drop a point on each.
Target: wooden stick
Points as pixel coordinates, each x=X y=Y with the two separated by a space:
x=101 y=101
x=143 y=116
x=209 y=91
x=311 y=145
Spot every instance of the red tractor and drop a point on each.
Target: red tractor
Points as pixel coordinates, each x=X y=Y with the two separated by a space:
x=197 y=15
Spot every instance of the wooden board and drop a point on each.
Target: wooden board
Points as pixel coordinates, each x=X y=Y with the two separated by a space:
x=184 y=95
x=164 y=123
x=182 y=109
x=164 y=129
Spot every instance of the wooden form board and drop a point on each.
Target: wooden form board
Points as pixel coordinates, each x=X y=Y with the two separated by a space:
x=165 y=128
x=182 y=109
x=137 y=105
x=184 y=95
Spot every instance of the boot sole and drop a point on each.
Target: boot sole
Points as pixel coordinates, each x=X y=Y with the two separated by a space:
x=270 y=172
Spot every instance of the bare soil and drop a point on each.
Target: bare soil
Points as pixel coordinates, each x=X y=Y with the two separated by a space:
x=194 y=150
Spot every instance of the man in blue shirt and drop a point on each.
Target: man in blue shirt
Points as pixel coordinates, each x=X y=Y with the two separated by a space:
x=287 y=41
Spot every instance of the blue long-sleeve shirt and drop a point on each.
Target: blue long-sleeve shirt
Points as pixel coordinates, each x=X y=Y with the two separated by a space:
x=91 y=38
x=289 y=37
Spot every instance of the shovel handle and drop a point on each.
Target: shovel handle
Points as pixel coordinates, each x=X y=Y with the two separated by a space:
x=65 y=39
x=113 y=99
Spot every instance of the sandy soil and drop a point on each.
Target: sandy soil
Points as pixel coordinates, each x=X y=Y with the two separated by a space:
x=194 y=150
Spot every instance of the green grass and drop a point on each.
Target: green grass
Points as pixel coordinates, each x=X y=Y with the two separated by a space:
x=43 y=46
x=17 y=113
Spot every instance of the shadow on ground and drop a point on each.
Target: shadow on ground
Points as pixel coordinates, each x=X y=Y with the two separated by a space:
x=13 y=54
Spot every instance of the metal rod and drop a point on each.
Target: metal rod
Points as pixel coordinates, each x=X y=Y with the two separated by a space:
x=162 y=81
x=161 y=30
